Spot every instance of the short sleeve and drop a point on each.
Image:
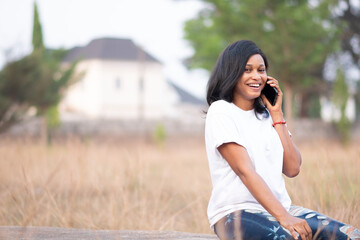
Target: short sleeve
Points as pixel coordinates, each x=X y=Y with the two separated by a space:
x=220 y=129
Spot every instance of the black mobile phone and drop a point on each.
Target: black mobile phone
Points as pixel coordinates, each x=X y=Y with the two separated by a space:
x=270 y=93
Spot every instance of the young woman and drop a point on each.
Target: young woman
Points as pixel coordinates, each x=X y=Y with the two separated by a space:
x=249 y=148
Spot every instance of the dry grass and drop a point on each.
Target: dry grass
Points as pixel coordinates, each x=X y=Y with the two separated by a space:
x=329 y=181
x=129 y=184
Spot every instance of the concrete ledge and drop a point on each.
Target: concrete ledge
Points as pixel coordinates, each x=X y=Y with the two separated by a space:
x=53 y=233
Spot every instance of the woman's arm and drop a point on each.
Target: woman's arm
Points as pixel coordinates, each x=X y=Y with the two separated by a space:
x=240 y=162
x=292 y=156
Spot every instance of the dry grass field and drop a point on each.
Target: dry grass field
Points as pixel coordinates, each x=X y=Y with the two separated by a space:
x=136 y=184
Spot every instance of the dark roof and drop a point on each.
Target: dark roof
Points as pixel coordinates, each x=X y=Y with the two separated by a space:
x=111 y=49
x=186 y=97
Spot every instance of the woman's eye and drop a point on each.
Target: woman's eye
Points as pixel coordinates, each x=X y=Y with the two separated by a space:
x=261 y=70
x=247 y=69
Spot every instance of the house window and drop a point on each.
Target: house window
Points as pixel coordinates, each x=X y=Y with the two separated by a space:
x=117 y=83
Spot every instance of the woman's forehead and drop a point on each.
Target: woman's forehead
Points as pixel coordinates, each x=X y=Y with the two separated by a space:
x=256 y=60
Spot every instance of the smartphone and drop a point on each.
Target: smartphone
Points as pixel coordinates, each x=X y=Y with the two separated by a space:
x=270 y=93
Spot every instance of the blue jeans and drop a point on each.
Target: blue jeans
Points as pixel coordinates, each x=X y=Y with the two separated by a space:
x=248 y=224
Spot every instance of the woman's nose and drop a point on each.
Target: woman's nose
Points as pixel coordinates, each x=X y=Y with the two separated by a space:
x=256 y=75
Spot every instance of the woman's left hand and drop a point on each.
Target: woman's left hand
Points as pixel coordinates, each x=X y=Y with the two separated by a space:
x=275 y=111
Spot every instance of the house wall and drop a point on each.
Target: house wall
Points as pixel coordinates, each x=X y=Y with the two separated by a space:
x=330 y=112
x=111 y=89
x=82 y=97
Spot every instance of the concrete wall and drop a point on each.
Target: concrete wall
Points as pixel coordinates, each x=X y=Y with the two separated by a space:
x=304 y=129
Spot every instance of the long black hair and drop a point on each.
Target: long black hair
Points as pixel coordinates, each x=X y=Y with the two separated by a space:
x=229 y=67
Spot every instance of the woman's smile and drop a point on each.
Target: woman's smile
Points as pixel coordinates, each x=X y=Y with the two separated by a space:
x=254 y=86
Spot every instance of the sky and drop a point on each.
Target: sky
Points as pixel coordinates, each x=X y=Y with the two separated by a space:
x=155 y=25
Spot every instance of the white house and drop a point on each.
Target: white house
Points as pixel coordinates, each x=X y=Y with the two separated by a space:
x=330 y=112
x=118 y=80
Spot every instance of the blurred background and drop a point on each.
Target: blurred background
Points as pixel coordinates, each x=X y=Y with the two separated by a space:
x=102 y=106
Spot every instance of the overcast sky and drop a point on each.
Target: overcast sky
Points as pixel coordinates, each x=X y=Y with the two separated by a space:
x=156 y=25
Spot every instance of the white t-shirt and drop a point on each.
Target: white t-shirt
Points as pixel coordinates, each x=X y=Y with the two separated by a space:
x=225 y=123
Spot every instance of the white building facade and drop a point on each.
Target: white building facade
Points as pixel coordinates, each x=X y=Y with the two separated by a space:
x=117 y=80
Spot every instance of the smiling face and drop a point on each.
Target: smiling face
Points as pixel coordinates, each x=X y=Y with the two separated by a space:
x=250 y=84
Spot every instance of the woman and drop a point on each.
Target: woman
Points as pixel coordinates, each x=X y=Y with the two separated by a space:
x=249 y=148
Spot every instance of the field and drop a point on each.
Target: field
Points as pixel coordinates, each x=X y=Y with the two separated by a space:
x=136 y=184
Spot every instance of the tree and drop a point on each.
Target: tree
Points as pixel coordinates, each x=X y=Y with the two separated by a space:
x=37 y=37
x=348 y=20
x=357 y=99
x=37 y=80
x=340 y=97
x=50 y=84
x=347 y=17
x=295 y=35
x=15 y=84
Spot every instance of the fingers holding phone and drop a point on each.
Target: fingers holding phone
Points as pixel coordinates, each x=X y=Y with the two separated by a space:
x=272 y=94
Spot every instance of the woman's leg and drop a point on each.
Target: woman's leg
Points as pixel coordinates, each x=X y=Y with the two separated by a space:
x=324 y=227
x=250 y=225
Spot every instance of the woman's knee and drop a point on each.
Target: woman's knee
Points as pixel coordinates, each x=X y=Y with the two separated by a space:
x=250 y=225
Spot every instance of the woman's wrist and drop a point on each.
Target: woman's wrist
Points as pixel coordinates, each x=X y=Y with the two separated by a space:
x=281 y=215
x=277 y=117
x=280 y=122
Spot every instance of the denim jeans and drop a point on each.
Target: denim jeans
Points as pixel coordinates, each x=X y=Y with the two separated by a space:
x=248 y=224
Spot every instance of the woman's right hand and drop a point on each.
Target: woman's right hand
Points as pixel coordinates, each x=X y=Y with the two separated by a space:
x=296 y=225
x=276 y=110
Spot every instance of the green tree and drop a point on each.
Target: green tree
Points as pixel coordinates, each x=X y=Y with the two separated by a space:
x=37 y=80
x=37 y=37
x=357 y=99
x=14 y=83
x=347 y=18
x=296 y=36
x=340 y=97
